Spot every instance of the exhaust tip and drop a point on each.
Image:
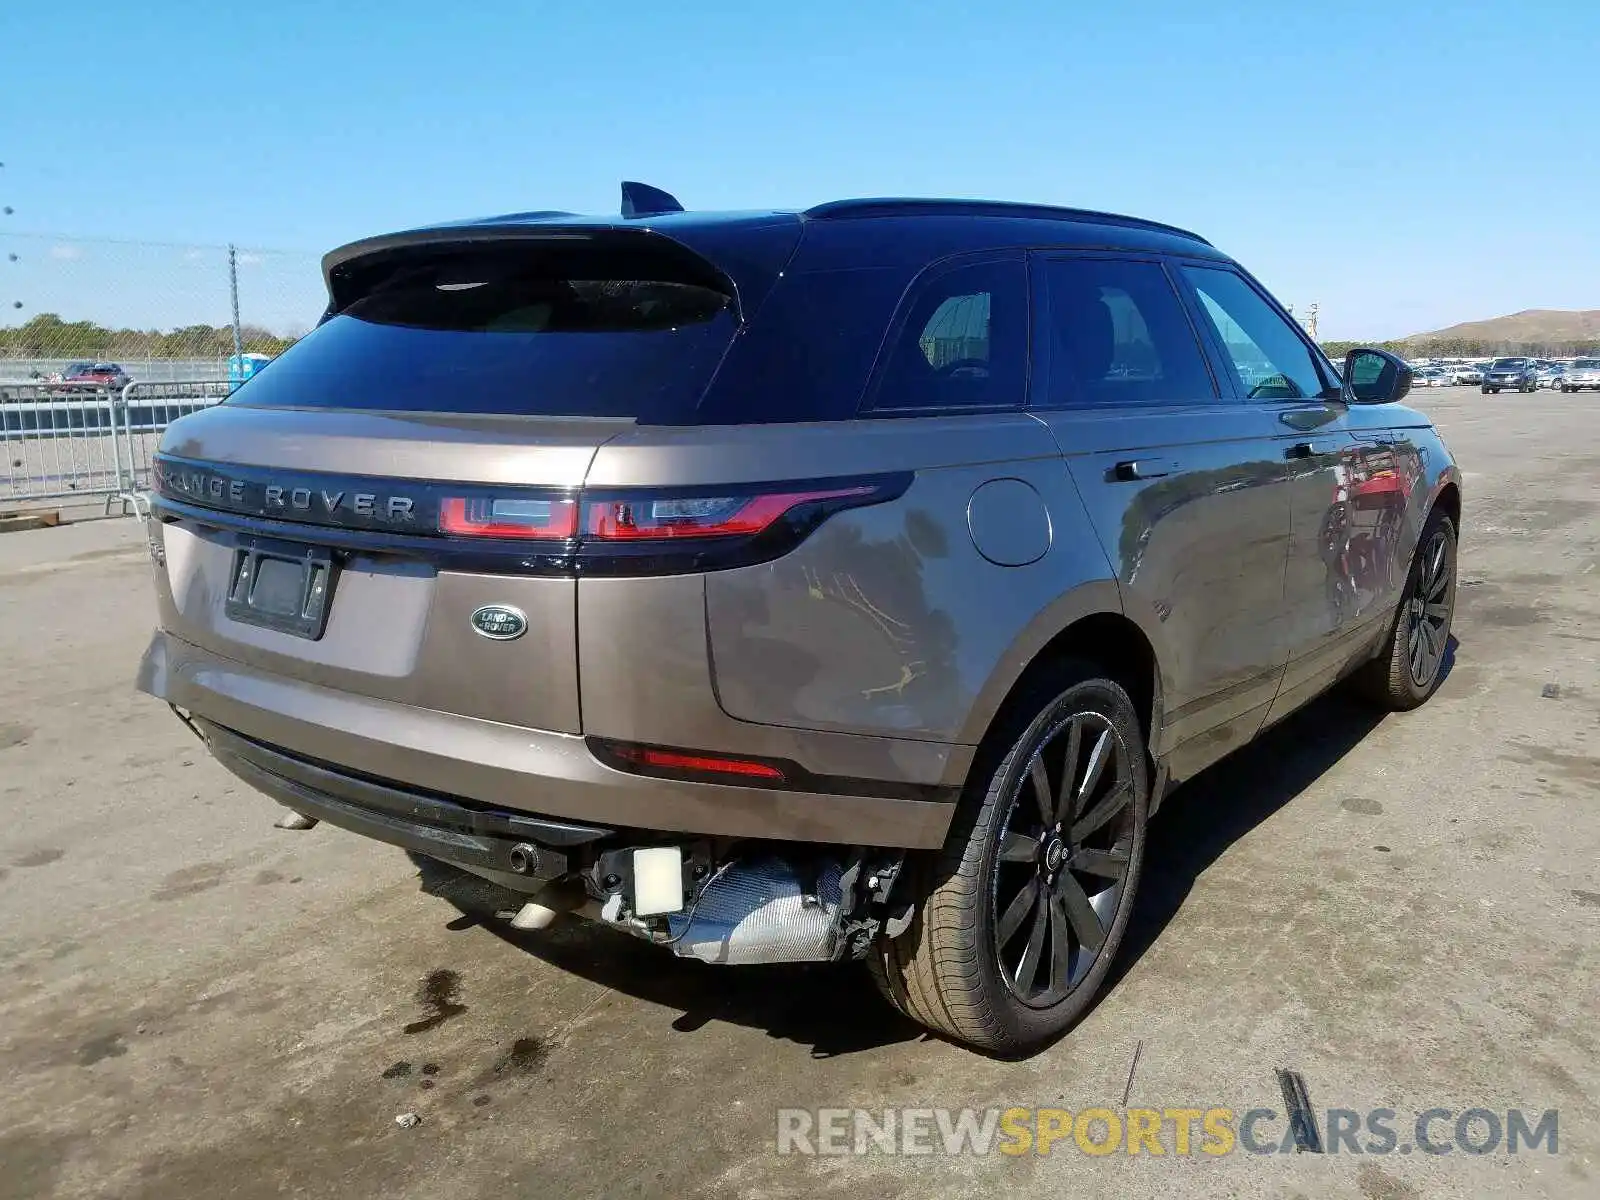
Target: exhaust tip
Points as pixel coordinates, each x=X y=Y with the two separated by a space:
x=534 y=915
x=523 y=858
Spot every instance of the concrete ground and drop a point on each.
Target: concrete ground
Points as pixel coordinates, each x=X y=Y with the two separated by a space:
x=1405 y=910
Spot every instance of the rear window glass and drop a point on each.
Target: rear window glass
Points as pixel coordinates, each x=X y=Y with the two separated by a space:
x=540 y=332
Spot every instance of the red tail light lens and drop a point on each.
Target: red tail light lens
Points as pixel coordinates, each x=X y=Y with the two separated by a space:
x=697 y=764
x=649 y=531
x=698 y=516
x=685 y=764
x=509 y=517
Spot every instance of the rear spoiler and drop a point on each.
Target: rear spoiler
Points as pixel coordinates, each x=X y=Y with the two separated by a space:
x=742 y=259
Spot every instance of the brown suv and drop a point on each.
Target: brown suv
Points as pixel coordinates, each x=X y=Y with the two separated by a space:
x=840 y=584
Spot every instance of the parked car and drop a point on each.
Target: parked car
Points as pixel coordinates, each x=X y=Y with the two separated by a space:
x=1466 y=373
x=1583 y=373
x=738 y=586
x=1430 y=377
x=1550 y=376
x=1517 y=373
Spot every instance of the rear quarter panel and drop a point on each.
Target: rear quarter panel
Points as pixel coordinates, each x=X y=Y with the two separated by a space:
x=887 y=621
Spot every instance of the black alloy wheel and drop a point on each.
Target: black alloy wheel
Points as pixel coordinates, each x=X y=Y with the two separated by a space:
x=1429 y=608
x=1017 y=921
x=1063 y=858
x=1411 y=663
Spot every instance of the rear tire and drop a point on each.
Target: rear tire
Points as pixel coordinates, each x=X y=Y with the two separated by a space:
x=1411 y=664
x=1018 y=918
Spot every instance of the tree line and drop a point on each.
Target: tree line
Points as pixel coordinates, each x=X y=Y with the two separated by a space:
x=48 y=336
x=1469 y=348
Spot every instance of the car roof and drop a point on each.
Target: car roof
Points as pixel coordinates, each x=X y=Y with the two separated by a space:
x=886 y=231
x=881 y=207
x=991 y=209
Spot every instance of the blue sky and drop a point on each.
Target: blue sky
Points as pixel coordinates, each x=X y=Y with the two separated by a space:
x=1404 y=164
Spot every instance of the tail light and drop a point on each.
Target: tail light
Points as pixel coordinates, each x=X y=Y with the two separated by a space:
x=660 y=531
x=554 y=517
x=646 y=518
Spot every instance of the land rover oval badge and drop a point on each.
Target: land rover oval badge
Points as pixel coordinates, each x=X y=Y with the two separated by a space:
x=500 y=622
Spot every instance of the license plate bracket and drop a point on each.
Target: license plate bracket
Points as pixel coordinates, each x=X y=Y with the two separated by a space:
x=286 y=586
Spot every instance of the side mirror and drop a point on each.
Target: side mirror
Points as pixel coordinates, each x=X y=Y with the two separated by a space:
x=1375 y=377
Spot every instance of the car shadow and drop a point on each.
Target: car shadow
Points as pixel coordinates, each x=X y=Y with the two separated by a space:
x=1209 y=813
x=829 y=1009
x=835 y=1010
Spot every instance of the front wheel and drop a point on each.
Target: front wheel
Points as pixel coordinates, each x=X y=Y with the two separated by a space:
x=1018 y=918
x=1411 y=664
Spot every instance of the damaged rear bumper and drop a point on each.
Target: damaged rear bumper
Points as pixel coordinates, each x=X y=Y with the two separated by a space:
x=479 y=764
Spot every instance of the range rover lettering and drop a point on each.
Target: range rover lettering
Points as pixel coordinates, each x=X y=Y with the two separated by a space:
x=848 y=584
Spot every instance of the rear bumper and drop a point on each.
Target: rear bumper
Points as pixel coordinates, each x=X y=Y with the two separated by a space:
x=478 y=838
x=270 y=724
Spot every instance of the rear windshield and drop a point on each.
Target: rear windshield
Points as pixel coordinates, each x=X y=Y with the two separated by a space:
x=539 y=331
x=1508 y=363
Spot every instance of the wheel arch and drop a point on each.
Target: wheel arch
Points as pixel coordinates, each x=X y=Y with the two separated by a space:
x=1448 y=500
x=1094 y=628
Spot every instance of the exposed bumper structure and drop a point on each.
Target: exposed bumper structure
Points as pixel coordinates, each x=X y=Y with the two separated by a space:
x=761 y=912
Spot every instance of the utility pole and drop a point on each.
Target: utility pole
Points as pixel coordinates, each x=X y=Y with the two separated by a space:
x=1311 y=320
x=233 y=291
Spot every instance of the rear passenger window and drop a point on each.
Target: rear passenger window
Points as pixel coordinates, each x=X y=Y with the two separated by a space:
x=962 y=343
x=1116 y=333
x=1267 y=355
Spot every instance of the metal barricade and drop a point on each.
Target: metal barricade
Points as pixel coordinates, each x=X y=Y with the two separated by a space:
x=141 y=414
x=59 y=442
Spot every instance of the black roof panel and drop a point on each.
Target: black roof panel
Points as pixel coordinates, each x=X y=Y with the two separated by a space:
x=922 y=207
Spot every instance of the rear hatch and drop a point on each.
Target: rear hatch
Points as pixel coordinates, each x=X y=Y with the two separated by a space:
x=390 y=507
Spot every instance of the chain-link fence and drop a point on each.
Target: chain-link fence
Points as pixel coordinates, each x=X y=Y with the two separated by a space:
x=103 y=343
x=155 y=311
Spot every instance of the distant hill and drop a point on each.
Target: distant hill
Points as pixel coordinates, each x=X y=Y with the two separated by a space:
x=1543 y=325
x=1534 y=331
